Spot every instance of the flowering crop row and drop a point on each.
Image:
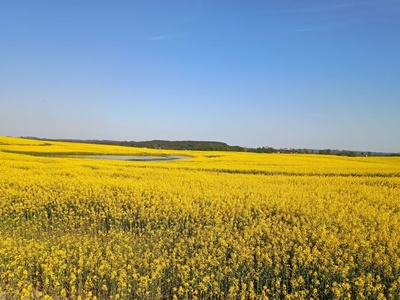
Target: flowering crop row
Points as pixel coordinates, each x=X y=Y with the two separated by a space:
x=214 y=226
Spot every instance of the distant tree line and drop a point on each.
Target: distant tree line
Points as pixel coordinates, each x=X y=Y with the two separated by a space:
x=175 y=145
x=219 y=146
x=322 y=152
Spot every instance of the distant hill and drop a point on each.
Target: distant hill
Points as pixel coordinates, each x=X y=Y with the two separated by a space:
x=158 y=144
x=217 y=146
x=175 y=145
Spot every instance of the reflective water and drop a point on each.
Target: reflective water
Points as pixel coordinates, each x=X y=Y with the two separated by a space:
x=134 y=157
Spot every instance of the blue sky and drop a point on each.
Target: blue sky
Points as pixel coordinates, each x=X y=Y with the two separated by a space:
x=295 y=74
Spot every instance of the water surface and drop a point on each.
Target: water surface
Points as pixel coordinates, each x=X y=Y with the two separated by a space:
x=134 y=157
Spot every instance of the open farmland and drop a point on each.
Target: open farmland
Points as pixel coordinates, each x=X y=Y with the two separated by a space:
x=218 y=225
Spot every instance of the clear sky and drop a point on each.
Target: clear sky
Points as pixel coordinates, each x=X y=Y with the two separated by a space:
x=295 y=74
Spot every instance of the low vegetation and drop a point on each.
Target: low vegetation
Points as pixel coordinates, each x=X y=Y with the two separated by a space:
x=224 y=225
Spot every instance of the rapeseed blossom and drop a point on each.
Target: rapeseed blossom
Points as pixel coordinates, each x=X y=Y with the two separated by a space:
x=216 y=225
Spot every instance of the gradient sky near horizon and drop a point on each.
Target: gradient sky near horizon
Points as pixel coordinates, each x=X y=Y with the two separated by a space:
x=294 y=74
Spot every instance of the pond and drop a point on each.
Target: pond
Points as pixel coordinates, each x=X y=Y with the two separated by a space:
x=134 y=157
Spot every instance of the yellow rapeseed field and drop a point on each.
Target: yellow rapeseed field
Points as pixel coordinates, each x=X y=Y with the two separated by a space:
x=216 y=225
